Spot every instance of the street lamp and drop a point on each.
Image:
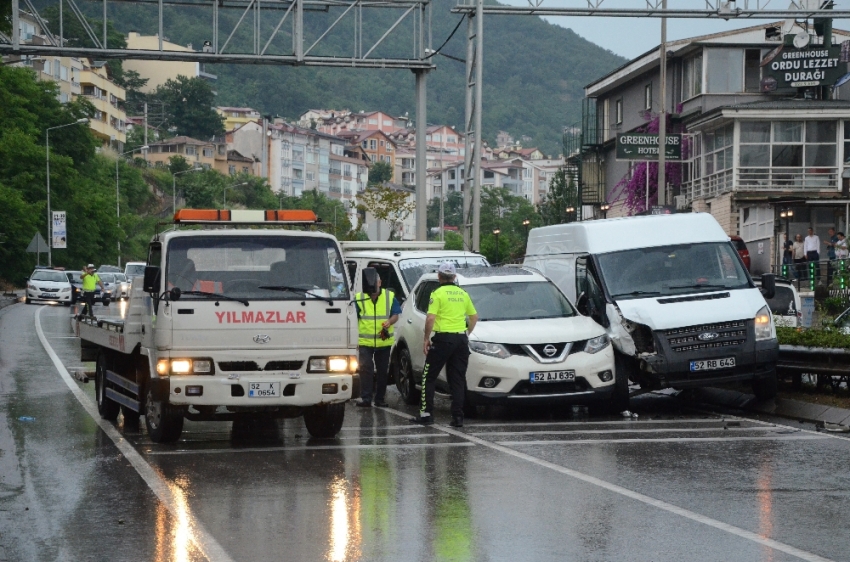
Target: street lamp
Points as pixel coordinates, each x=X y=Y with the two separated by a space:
x=118 y=197
x=525 y=224
x=605 y=207
x=496 y=233
x=49 y=215
x=174 y=187
x=786 y=214
x=224 y=193
x=570 y=210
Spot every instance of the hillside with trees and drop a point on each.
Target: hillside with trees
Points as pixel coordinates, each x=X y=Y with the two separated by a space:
x=534 y=71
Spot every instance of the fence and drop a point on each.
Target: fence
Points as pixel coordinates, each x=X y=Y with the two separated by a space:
x=834 y=274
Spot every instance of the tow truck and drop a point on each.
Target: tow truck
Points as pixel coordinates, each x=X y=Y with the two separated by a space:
x=239 y=314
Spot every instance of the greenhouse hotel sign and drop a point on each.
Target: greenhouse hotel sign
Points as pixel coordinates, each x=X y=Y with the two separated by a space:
x=644 y=146
x=802 y=68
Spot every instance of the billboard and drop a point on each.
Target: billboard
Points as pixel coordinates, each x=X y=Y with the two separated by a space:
x=59 y=229
x=802 y=68
x=644 y=146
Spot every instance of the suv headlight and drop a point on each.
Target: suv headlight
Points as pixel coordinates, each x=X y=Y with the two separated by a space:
x=491 y=349
x=595 y=345
x=764 y=325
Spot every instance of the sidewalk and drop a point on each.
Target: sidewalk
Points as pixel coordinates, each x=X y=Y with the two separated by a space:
x=782 y=407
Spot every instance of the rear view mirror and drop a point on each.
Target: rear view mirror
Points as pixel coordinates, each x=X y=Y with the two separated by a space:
x=370 y=280
x=768 y=285
x=151 y=281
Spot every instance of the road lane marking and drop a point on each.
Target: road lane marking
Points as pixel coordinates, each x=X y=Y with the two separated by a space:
x=612 y=431
x=667 y=440
x=588 y=422
x=308 y=448
x=409 y=427
x=693 y=516
x=205 y=542
x=840 y=437
x=409 y=436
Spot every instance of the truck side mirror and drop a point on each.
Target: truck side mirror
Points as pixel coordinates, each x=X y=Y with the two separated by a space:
x=370 y=280
x=768 y=285
x=581 y=304
x=150 y=284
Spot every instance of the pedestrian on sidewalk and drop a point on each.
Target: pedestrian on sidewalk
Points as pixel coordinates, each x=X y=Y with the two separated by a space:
x=799 y=256
x=452 y=317
x=376 y=314
x=811 y=245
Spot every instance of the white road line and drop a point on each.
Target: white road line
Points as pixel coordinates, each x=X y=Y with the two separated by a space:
x=611 y=431
x=667 y=440
x=607 y=422
x=409 y=436
x=409 y=426
x=780 y=425
x=155 y=481
x=307 y=448
x=693 y=516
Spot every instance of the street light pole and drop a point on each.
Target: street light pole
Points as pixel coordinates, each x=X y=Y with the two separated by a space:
x=224 y=193
x=496 y=232
x=174 y=187
x=49 y=214
x=570 y=210
x=118 y=197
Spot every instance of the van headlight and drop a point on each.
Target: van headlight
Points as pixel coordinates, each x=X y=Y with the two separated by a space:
x=491 y=349
x=764 y=325
x=596 y=345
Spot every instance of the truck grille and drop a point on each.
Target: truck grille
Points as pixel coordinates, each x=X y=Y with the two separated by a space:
x=726 y=334
x=253 y=366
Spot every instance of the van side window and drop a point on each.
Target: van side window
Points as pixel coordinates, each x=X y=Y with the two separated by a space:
x=352 y=275
x=587 y=283
x=423 y=295
x=389 y=278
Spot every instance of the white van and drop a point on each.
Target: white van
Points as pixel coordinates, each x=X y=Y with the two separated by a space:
x=672 y=294
x=401 y=264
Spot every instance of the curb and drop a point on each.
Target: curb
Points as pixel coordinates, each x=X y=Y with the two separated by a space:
x=6 y=301
x=782 y=407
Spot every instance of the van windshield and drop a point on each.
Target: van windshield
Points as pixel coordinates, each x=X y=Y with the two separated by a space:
x=672 y=270
x=519 y=301
x=240 y=266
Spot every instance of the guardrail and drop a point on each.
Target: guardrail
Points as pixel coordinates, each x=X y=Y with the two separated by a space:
x=826 y=366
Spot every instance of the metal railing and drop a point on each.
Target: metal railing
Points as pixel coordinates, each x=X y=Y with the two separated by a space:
x=815 y=179
x=806 y=275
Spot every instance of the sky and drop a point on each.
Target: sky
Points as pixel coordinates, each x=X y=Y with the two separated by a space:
x=631 y=37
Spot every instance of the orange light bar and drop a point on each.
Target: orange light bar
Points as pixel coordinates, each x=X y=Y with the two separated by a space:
x=224 y=215
x=291 y=215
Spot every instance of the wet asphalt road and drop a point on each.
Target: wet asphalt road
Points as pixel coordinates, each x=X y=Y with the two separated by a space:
x=675 y=484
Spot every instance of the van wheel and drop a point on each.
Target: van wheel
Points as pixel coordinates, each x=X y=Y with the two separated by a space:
x=620 y=399
x=404 y=381
x=766 y=388
x=163 y=420
x=324 y=421
x=107 y=409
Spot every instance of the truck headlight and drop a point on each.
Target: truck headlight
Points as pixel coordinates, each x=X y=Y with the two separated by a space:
x=181 y=366
x=595 y=345
x=491 y=349
x=764 y=325
x=165 y=367
x=336 y=364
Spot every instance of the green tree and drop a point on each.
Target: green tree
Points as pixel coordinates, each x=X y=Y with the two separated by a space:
x=330 y=211
x=189 y=108
x=386 y=204
x=380 y=172
x=6 y=16
x=452 y=210
x=562 y=194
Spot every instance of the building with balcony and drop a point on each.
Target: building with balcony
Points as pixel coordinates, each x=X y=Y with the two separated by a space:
x=109 y=122
x=235 y=117
x=375 y=144
x=762 y=131
x=196 y=152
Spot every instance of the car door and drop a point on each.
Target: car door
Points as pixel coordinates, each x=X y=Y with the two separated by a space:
x=413 y=323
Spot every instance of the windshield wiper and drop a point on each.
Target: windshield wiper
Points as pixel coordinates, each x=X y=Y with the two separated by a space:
x=215 y=295
x=636 y=294
x=700 y=286
x=305 y=292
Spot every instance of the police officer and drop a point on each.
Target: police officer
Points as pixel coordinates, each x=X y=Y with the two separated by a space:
x=90 y=282
x=376 y=315
x=448 y=310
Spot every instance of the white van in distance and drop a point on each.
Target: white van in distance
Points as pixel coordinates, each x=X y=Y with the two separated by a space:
x=672 y=294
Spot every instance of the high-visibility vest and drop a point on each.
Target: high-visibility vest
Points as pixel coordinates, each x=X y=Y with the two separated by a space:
x=372 y=316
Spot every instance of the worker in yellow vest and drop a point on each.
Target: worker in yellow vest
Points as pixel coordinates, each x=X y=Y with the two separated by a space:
x=90 y=280
x=376 y=314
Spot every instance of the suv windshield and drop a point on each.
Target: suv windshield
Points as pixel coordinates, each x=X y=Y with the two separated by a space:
x=42 y=275
x=238 y=266
x=672 y=270
x=412 y=269
x=519 y=301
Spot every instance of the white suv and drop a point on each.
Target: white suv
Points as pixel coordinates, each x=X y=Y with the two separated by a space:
x=785 y=304
x=48 y=285
x=530 y=345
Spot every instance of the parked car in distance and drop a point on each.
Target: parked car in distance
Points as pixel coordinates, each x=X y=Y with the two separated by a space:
x=48 y=285
x=785 y=304
x=134 y=268
x=122 y=292
x=110 y=285
x=741 y=246
x=530 y=345
x=109 y=269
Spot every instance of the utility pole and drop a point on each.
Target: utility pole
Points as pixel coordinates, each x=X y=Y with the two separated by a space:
x=662 y=114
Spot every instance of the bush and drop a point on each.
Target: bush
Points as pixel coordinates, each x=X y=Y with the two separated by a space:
x=813 y=337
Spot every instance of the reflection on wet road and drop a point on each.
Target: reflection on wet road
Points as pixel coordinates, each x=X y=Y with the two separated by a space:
x=674 y=484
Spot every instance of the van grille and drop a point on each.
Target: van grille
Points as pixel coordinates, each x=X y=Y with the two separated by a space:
x=727 y=334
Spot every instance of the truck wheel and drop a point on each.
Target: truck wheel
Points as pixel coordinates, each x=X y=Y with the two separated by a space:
x=325 y=420
x=404 y=381
x=620 y=399
x=107 y=409
x=766 y=388
x=131 y=418
x=164 y=421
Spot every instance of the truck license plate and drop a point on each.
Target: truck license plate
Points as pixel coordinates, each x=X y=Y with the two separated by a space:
x=263 y=389
x=712 y=364
x=552 y=376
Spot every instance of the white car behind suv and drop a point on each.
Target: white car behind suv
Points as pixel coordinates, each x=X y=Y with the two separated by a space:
x=530 y=345
x=48 y=285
